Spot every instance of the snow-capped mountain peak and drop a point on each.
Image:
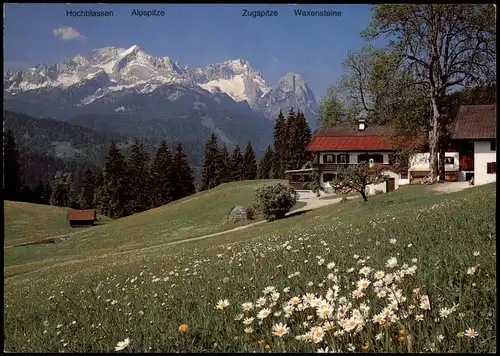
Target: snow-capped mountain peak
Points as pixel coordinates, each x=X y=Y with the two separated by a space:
x=107 y=71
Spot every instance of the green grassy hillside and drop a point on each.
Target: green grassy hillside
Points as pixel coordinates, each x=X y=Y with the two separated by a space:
x=26 y=222
x=441 y=246
x=200 y=214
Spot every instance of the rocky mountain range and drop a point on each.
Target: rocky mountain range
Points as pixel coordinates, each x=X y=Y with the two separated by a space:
x=129 y=91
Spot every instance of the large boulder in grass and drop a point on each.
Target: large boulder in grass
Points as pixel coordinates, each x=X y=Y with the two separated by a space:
x=239 y=213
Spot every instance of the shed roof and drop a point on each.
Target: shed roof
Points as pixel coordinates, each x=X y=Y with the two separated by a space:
x=79 y=215
x=475 y=122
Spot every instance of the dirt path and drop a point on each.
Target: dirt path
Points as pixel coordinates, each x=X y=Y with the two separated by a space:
x=311 y=204
x=450 y=187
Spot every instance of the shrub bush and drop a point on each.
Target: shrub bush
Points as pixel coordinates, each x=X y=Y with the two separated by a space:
x=275 y=200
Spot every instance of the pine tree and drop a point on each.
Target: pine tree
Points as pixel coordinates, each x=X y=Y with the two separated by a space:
x=162 y=176
x=183 y=175
x=266 y=164
x=210 y=177
x=38 y=192
x=304 y=134
x=249 y=163
x=139 y=178
x=237 y=164
x=280 y=145
x=74 y=193
x=115 y=192
x=61 y=189
x=47 y=193
x=225 y=161
x=86 y=198
x=11 y=167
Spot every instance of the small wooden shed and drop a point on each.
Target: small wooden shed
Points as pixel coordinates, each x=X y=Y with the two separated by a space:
x=82 y=217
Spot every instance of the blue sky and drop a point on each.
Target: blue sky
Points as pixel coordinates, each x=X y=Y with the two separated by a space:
x=195 y=35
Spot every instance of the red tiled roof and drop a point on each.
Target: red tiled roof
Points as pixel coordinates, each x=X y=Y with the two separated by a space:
x=475 y=122
x=348 y=143
x=81 y=214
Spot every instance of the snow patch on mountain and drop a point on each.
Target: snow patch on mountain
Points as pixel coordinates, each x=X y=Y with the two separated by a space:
x=234 y=87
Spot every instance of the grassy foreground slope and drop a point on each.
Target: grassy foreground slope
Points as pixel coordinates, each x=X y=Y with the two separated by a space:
x=200 y=214
x=440 y=246
x=27 y=222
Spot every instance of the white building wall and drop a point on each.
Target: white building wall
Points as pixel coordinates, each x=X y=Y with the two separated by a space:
x=420 y=161
x=372 y=188
x=482 y=155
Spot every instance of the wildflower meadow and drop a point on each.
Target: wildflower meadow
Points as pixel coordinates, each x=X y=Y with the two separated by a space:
x=409 y=271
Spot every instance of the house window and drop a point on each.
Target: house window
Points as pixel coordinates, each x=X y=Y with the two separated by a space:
x=491 y=167
x=377 y=158
x=404 y=175
x=493 y=145
x=449 y=160
x=362 y=157
x=342 y=159
x=329 y=159
x=328 y=177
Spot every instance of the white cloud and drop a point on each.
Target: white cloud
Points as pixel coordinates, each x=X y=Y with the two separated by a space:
x=67 y=33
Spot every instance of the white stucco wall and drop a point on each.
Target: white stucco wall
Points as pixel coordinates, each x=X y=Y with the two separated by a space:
x=420 y=161
x=483 y=155
x=372 y=188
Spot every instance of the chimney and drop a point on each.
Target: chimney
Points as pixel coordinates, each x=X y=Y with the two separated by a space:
x=361 y=125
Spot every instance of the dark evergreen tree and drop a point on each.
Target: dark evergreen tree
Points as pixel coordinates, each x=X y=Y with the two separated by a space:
x=11 y=167
x=74 y=193
x=139 y=180
x=249 y=163
x=38 y=192
x=47 y=193
x=162 y=176
x=299 y=135
x=115 y=196
x=266 y=164
x=212 y=165
x=304 y=133
x=225 y=162
x=61 y=189
x=237 y=167
x=280 y=139
x=183 y=175
x=88 y=186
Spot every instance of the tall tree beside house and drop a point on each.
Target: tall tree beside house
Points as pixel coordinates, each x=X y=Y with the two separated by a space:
x=357 y=177
x=332 y=110
x=162 y=176
x=304 y=132
x=139 y=178
x=116 y=189
x=280 y=130
x=183 y=180
x=61 y=189
x=237 y=162
x=249 y=163
x=86 y=199
x=266 y=164
x=225 y=162
x=11 y=167
x=212 y=165
x=299 y=135
x=444 y=46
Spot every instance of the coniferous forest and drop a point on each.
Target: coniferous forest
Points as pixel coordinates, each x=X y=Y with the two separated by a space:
x=132 y=180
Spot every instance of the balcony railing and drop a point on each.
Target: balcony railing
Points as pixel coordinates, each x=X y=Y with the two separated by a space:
x=333 y=166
